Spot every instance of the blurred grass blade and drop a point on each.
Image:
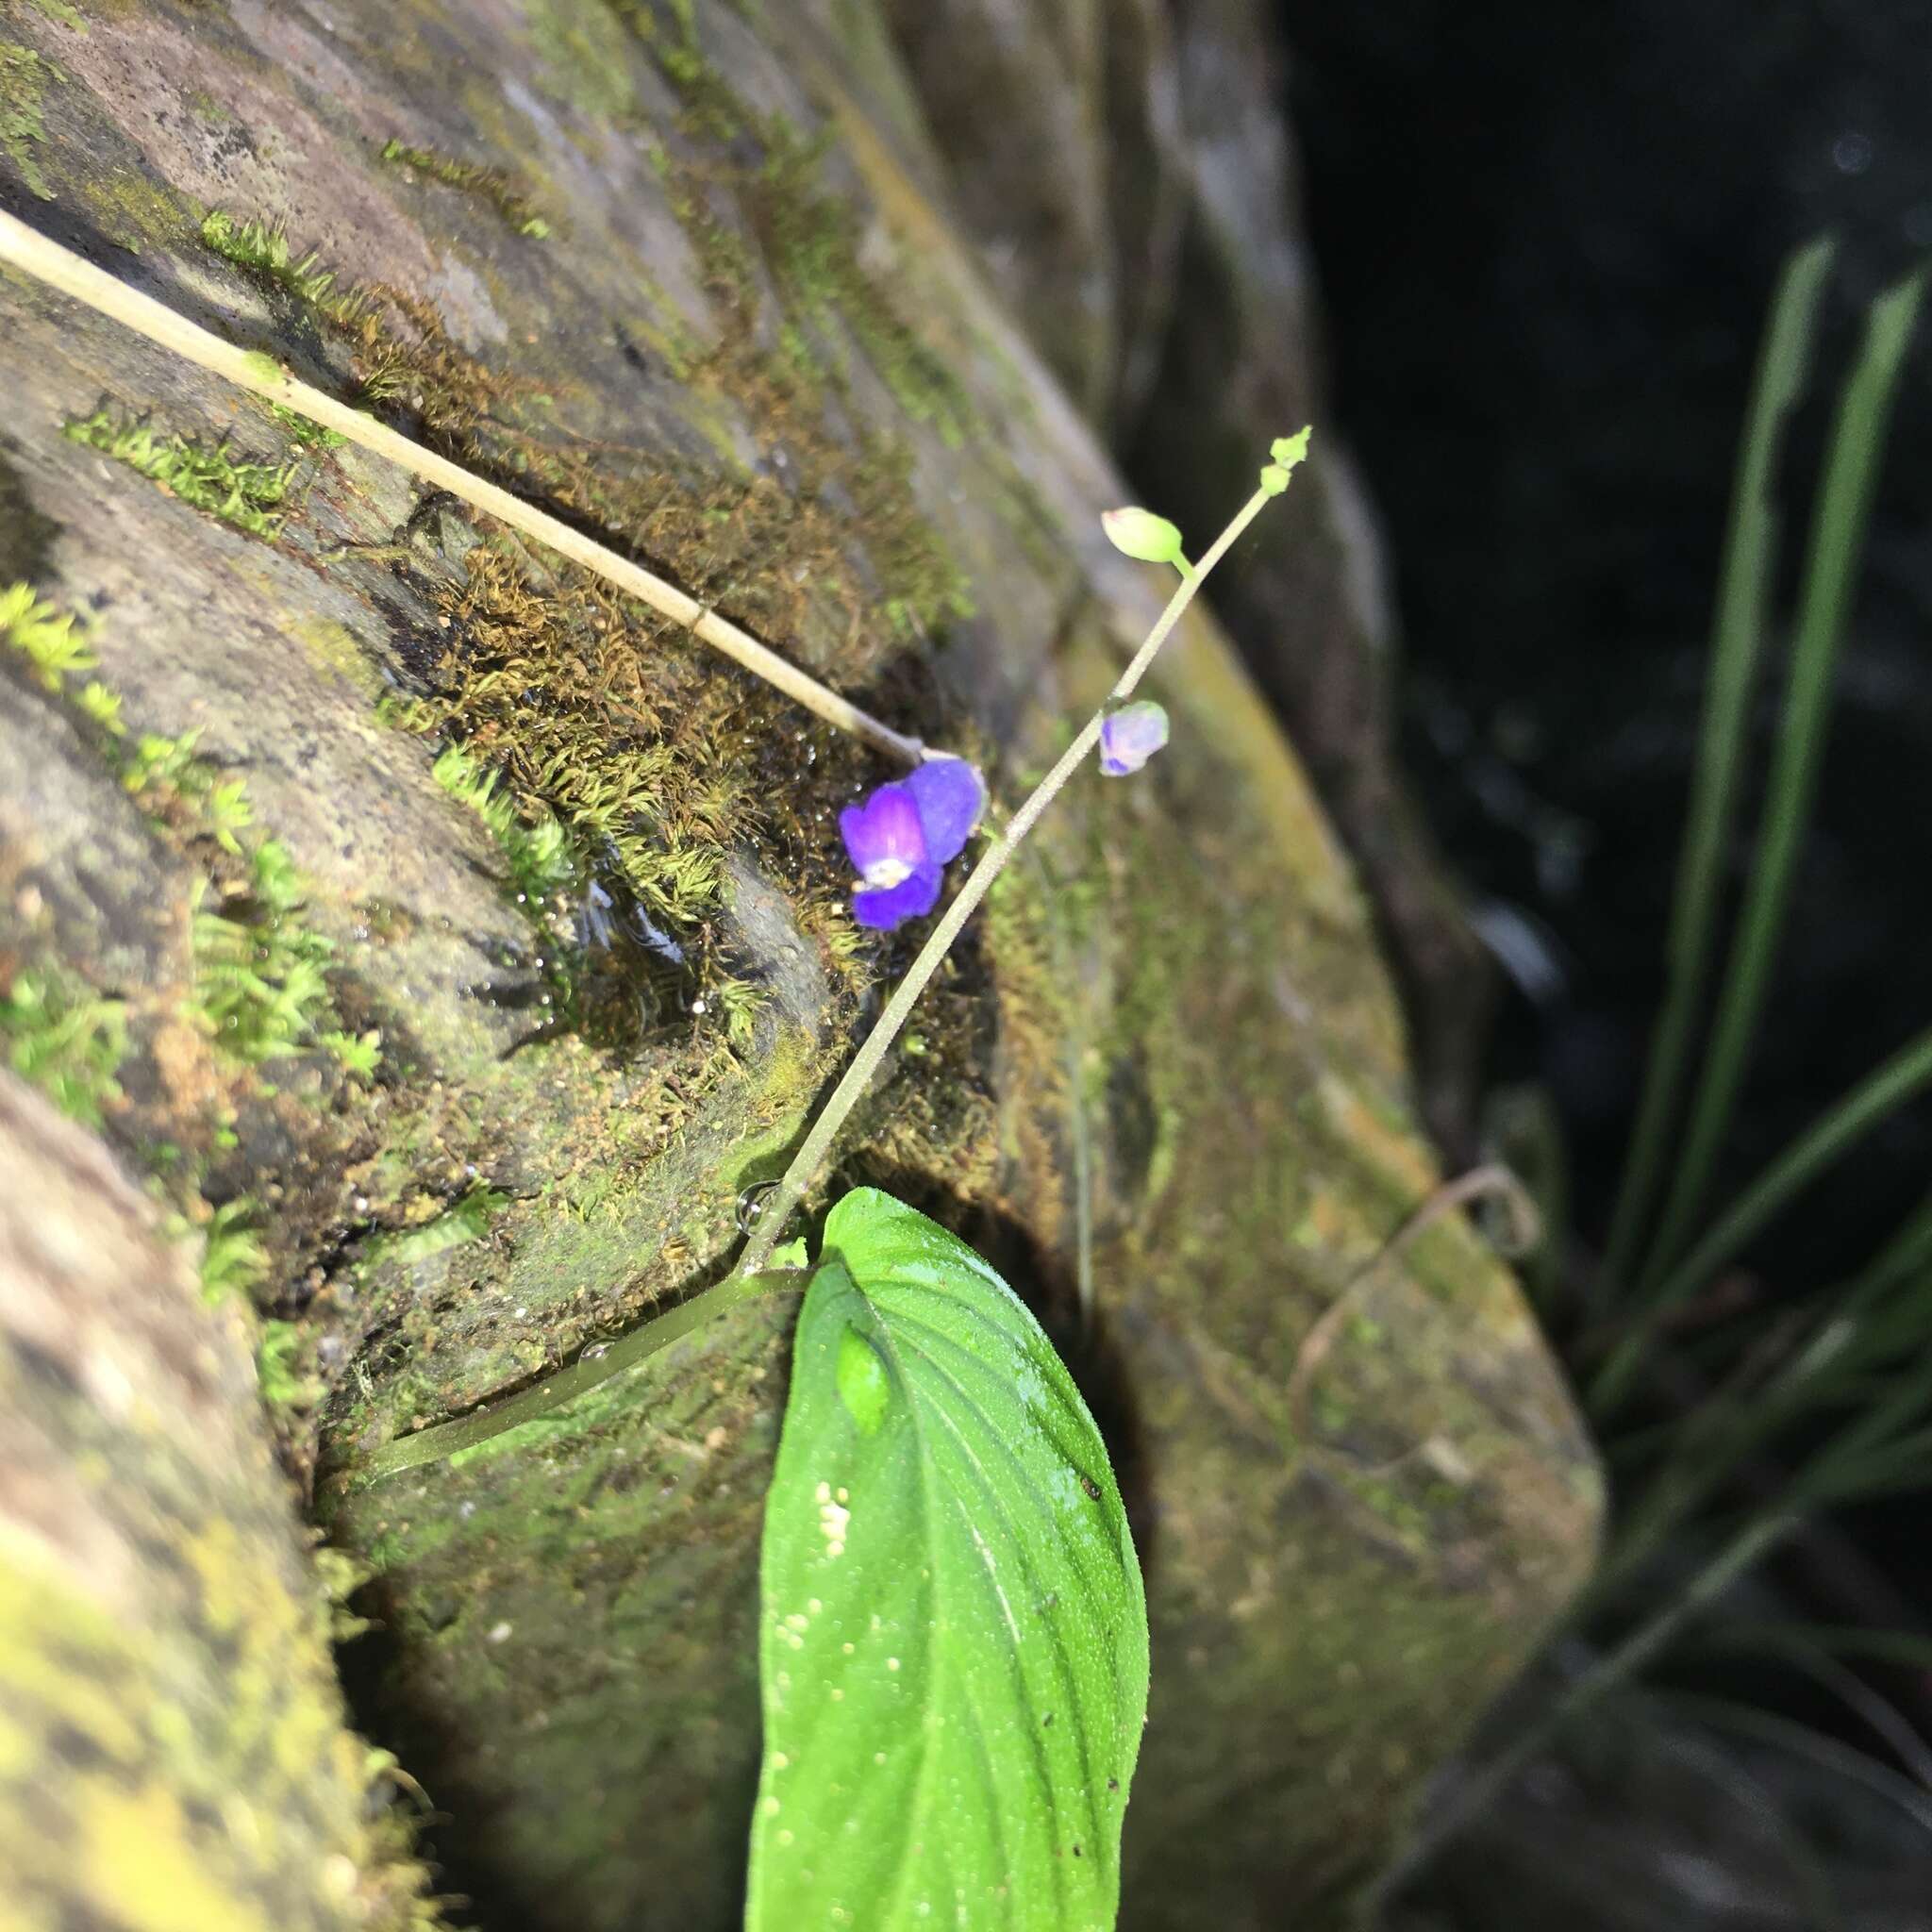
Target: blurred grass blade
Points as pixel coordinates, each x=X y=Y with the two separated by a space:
x=1907 y=1254
x=1900 y=1079
x=1486 y=1782
x=1806 y=1742
x=1739 y=629
x=1881 y=1717
x=1907 y=1647
x=1837 y=535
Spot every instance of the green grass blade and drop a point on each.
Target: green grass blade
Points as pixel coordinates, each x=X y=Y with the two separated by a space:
x=1908 y=1073
x=1739 y=629
x=1837 y=535
x=1906 y=1647
x=1612 y=1670
x=1803 y=1740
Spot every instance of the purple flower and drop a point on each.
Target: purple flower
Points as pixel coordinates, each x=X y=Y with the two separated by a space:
x=901 y=838
x=1131 y=736
x=950 y=796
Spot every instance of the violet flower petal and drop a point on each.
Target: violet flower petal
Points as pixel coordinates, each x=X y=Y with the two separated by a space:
x=950 y=796
x=882 y=907
x=1131 y=736
x=883 y=837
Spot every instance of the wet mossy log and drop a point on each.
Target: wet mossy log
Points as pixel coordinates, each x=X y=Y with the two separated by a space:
x=450 y=947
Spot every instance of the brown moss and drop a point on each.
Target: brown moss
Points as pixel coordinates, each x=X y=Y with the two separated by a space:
x=490 y=186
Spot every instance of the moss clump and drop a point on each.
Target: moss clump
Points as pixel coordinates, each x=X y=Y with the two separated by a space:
x=593 y=727
x=468 y=1221
x=24 y=78
x=279 y=1368
x=67 y=1039
x=234 y=1263
x=584 y=49
x=44 y=635
x=260 y=988
x=260 y=985
x=536 y=848
x=808 y=238
x=259 y=971
x=248 y=495
x=489 y=185
x=301 y=431
x=264 y=253
x=599 y=766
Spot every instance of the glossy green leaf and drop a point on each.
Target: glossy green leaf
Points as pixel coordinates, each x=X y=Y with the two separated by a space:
x=953 y=1639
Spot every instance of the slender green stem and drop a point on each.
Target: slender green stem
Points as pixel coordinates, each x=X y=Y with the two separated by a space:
x=805 y=1165
x=1738 y=628
x=1837 y=534
x=1905 y=1074
x=565 y=1385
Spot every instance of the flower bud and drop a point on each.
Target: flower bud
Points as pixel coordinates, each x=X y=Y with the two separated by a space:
x=1139 y=533
x=1290 y=450
x=1130 y=736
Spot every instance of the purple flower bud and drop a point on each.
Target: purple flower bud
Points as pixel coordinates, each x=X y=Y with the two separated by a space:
x=1130 y=736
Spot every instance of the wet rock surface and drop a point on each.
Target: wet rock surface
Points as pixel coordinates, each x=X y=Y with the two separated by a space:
x=693 y=287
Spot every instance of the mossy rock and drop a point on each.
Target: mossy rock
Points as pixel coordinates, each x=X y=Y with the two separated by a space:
x=486 y=945
x=173 y=1748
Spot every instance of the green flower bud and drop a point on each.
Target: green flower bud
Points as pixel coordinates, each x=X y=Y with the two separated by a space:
x=1290 y=450
x=1139 y=533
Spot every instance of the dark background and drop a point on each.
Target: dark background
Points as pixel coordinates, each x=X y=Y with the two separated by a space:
x=1546 y=237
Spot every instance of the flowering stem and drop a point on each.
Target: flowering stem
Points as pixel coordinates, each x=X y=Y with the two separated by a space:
x=755 y=1275
x=806 y=1163
x=261 y=376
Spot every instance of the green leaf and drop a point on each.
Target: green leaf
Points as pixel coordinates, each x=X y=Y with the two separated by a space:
x=953 y=1634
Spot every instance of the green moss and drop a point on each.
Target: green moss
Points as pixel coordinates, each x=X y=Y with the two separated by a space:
x=280 y=1364
x=44 y=635
x=67 y=1039
x=61 y=13
x=24 y=78
x=468 y=1221
x=248 y=495
x=264 y=253
x=337 y=650
x=807 y=237
x=585 y=51
x=260 y=985
x=234 y=1263
x=613 y=755
x=260 y=970
x=301 y=431
x=134 y=208
x=489 y=185
x=536 y=849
